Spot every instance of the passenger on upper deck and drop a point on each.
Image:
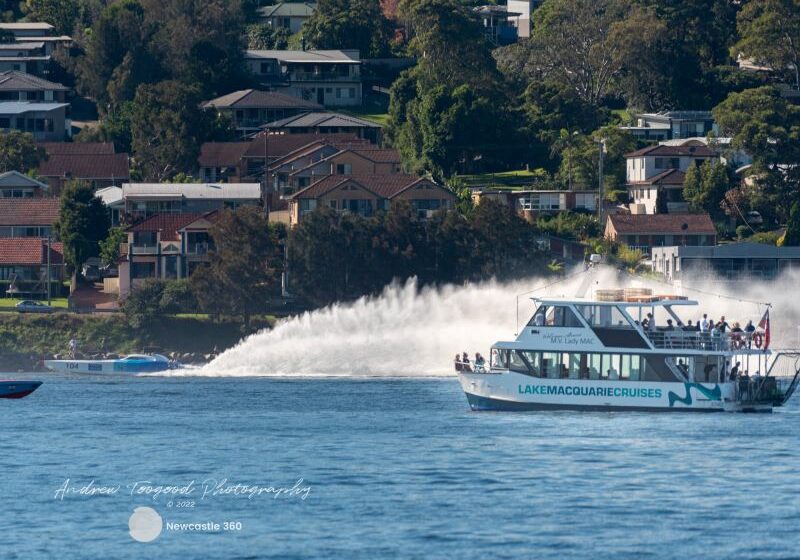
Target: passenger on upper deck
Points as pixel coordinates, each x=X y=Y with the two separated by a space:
x=479 y=361
x=465 y=362
x=704 y=324
x=458 y=362
x=723 y=324
x=651 y=322
x=689 y=326
x=670 y=326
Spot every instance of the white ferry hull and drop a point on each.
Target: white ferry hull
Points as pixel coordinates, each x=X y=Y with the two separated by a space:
x=511 y=391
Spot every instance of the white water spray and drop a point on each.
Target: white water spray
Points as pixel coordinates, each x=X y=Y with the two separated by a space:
x=410 y=332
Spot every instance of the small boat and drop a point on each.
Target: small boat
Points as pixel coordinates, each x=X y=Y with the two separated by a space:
x=17 y=389
x=134 y=363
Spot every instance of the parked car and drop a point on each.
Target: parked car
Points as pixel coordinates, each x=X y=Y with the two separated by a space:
x=109 y=271
x=27 y=306
x=754 y=218
x=91 y=273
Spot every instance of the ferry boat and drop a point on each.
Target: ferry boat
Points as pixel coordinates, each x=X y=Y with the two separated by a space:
x=133 y=363
x=608 y=354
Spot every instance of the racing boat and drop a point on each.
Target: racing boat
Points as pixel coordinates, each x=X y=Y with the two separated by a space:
x=630 y=350
x=17 y=389
x=134 y=363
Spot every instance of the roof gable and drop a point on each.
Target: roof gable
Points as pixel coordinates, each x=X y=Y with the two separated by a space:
x=17 y=179
x=669 y=224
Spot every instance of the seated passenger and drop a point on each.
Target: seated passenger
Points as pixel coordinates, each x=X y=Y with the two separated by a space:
x=458 y=362
x=737 y=328
x=613 y=375
x=479 y=362
x=465 y=362
x=670 y=326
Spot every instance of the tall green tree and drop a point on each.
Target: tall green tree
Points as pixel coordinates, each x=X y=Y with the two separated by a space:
x=582 y=45
x=245 y=264
x=61 y=14
x=167 y=129
x=769 y=32
x=791 y=237
x=354 y=24
x=705 y=186
x=83 y=222
x=19 y=152
x=109 y=247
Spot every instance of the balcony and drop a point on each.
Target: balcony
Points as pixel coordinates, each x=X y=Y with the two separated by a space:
x=326 y=77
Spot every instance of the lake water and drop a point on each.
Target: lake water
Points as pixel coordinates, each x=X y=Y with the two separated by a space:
x=397 y=468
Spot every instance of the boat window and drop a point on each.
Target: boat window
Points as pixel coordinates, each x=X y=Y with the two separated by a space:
x=595 y=365
x=576 y=363
x=517 y=363
x=656 y=369
x=631 y=367
x=554 y=316
x=608 y=316
x=499 y=358
x=551 y=365
x=533 y=360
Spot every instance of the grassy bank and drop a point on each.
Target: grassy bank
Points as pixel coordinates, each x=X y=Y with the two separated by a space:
x=50 y=334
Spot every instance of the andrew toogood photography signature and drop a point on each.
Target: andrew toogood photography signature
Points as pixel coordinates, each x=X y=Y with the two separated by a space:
x=206 y=489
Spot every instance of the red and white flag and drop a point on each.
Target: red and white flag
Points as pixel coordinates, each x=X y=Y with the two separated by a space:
x=764 y=324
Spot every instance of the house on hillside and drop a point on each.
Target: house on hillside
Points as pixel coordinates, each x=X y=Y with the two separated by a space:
x=350 y=161
x=236 y=162
x=733 y=262
x=28 y=217
x=658 y=169
x=530 y=204
x=142 y=200
x=672 y=125
x=82 y=164
x=327 y=123
x=45 y=121
x=36 y=31
x=366 y=195
x=287 y=15
x=499 y=24
x=165 y=246
x=328 y=77
x=30 y=57
x=645 y=231
x=19 y=86
x=525 y=9
x=251 y=109
x=24 y=263
x=14 y=184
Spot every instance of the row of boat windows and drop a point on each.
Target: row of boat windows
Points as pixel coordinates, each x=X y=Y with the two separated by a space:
x=568 y=365
x=595 y=316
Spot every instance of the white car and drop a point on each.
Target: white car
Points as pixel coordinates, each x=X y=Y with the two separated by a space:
x=28 y=306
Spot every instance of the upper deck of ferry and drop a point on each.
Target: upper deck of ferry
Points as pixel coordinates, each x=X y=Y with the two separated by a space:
x=639 y=319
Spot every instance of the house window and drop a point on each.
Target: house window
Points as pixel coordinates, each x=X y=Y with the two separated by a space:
x=344 y=169
x=332 y=204
x=659 y=163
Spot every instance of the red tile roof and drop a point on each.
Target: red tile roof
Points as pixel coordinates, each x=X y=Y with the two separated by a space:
x=222 y=154
x=668 y=177
x=379 y=155
x=87 y=166
x=71 y=148
x=384 y=186
x=29 y=251
x=660 y=150
x=28 y=211
x=282 y=144
x=168 y=224
x=670 y=224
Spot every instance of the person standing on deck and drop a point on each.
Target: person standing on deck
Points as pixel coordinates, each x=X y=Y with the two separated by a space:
x=73 y=348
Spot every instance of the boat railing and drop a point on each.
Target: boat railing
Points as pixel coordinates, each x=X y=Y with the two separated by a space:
x=471 y=367
x=679 y=339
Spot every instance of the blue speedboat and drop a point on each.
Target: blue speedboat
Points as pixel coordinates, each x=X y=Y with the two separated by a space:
x=17 y=389
x=134 y=363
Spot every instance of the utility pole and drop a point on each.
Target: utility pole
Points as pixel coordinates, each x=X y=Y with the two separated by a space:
x=267 y=189
x=49 y=296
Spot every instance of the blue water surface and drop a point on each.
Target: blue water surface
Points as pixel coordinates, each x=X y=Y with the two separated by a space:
x=398 y=468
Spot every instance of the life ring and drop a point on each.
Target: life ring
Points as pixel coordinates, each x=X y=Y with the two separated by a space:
x=758 y=340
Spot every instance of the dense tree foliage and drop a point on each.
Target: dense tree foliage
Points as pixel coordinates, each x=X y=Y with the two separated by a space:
x=705 y=187
x=770 y=34
x=109 y=247
x=334 y=256
x=19 y=152
x=245 y=264
x=83 y=223
x=351 y=24
x=791 y=237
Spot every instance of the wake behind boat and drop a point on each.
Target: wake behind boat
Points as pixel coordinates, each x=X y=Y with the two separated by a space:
x=134 y=363
x=608 y=354
x=17 y=389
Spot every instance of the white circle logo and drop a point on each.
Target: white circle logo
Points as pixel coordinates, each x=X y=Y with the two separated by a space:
x=145 y=524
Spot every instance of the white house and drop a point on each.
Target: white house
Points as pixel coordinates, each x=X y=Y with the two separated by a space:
x=661 y=167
